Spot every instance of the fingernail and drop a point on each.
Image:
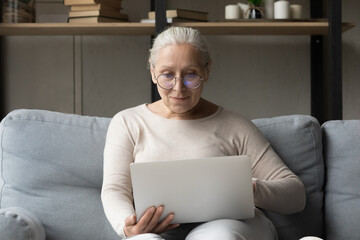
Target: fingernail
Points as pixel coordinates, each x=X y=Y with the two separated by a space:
x=152 y=209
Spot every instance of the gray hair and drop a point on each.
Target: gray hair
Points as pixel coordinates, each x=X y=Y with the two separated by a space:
x=179 y=35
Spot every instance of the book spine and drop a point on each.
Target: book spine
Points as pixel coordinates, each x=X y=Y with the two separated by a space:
x=182 y=14
x=78 y=2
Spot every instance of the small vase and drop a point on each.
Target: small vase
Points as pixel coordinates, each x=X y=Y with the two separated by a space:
x=254 y=13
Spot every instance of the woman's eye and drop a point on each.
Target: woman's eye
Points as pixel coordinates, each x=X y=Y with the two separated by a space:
x=191 y=75
x=168 y=75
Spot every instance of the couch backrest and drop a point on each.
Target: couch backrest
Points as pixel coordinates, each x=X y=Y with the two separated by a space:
x=52 y=166
x=297 y=140
x=342 y=190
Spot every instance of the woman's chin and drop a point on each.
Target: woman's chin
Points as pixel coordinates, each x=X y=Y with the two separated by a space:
x=180 y=109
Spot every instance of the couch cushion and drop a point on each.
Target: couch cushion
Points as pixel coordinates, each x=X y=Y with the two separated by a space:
x=297 y=140
x=342 y=190
x=20 y=224
x=51 y=165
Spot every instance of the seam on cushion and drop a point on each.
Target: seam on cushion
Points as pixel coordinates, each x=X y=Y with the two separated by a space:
x=314 y=153
x=59 y=123
x=328 y=200
x=2 y=160
x=317 y=174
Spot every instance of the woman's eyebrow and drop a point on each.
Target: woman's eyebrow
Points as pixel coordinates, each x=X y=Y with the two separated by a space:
x=184 y=68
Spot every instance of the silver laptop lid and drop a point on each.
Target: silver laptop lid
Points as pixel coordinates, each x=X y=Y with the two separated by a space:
x=196 y=190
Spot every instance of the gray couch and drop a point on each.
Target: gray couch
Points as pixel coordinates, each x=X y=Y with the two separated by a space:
x=51 y=175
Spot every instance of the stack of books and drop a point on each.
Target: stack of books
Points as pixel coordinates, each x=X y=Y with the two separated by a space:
x=94 y=11
x=179 y=15
x=18 y=11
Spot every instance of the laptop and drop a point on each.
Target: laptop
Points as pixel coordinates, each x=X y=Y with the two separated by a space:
x=195 y=190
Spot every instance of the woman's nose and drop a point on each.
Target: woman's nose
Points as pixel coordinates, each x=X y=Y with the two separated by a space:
x=179 y=84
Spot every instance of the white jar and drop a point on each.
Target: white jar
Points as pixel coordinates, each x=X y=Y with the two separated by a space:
x=232 y=12
x=281 y=9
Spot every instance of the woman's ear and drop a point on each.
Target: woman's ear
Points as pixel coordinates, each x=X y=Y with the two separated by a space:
x=207 y=70
x=152 y=72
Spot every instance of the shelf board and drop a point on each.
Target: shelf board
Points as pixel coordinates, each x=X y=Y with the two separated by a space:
x=128 y=28
x=264 y=28
x=208 y=28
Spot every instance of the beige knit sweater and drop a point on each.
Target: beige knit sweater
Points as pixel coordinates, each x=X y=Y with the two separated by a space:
x=138 y=135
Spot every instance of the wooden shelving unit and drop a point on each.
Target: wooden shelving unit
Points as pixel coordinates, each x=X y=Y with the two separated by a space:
x=209 y=28
x=326 y=89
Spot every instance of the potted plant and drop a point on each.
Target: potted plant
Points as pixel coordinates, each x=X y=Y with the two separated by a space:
x=255 y=9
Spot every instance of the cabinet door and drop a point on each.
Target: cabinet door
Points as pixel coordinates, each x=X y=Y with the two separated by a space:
x=38 y=72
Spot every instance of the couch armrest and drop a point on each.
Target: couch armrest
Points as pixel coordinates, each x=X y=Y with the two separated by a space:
x=18 y=223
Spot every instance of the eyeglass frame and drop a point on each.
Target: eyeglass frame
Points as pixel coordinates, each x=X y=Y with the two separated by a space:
x=175 y=78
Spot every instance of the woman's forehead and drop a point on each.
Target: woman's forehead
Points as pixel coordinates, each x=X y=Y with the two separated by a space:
x=184 y=54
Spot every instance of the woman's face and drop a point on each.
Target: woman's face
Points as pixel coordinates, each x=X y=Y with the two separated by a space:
x=179 y=60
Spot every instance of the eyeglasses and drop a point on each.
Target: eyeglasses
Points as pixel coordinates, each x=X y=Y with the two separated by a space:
x=168 y=80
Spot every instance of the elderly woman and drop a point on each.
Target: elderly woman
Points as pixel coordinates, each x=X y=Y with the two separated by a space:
x=183 y=125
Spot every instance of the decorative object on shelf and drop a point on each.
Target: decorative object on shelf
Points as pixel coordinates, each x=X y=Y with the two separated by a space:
x=295 y=11
x=183 y=13
x=244 y=9
x=93 y=19
x=169 y=20
x=92 y=11
x=281 y=9
x=18 y=11
x=269 y=9
x=255 y=10
x=310 y=238
x=179 y=15
x=232 y=12
x=110 y=3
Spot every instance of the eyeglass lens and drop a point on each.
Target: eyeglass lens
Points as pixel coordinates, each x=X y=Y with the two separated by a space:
x=190 y=80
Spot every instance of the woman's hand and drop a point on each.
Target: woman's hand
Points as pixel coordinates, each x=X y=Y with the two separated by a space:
x=149 y=222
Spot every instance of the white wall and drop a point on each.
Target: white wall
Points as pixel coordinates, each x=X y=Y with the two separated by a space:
x=259 y=76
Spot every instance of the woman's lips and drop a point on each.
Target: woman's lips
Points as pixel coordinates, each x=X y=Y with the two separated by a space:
x=179 y=98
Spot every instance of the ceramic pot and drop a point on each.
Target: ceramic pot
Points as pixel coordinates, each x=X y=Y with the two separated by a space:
x=254 y=13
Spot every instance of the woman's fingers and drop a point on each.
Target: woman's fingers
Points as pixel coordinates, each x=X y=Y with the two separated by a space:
x=133 y=228
x=165 y=224
x=130 y=220
x=149 y=222
x=155 y=219
x=145 y=219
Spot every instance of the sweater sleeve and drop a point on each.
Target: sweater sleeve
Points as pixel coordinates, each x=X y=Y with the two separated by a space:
x=116 y=191
x=278 y=189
